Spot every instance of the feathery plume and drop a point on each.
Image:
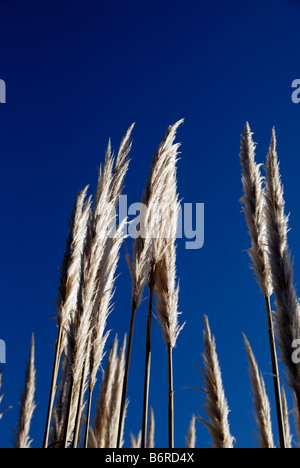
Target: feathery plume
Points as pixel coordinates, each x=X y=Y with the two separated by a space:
x=151 y=431
x=108 y=265
x=104 y=304
x=115 y=402
x=167 y=292
x=254 y=207
x=110 y=257
x=121 y=165
x=103 y=433
x=2 y=396
x=260 y=402
x=158 y=194
x=145 y=253
x=253 y=203
x=166 y=289
x=216 y=405
x=136 y=441
x=100 y=423
x=92 y=316
x=164 y=259
x=287 y=428
x=27 y=404
x=69 y=288
x=191 y=437
x=286 y=300
x=70 y=279
x=154 y=199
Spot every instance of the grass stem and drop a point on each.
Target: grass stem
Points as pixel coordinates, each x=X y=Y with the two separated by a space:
x=147 y=362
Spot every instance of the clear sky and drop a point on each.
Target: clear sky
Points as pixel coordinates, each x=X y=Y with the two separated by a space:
x=80 y=72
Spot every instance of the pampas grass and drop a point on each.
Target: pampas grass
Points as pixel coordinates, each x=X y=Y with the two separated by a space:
x=164 y=261
x=147 y=252
x=27 y=404
x=103 y=433
x=216 y=405
x=287 y=428
x=101 y=259
x=85 y=301
x=286 y=300
x=105 y=291
x=260 y=402
x=136 y=441
x=60 y=409
x=253 y=203
x=151 y=431
x=165 y=213
x=2 y=396
x=69 y=287
x=166 y=287
x=254 y=207
x=190 y=441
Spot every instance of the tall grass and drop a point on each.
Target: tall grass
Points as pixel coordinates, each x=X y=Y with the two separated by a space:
x=2 y=396
x=216 y=405
x=85 y=301
x=255 y=209
x=104 y=430
x=27 y=404
x=150 y=252
x=260 y=402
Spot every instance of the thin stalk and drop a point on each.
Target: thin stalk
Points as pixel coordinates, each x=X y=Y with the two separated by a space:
x=125 y=380
x=86 y=437
x=171 y=397
x=147 y=363
x=275 y=371
x=79 y=409
x=53 y=386
x=80 y=398
x=65 y=440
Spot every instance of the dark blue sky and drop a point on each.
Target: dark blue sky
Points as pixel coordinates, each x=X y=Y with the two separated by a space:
x=81 y=72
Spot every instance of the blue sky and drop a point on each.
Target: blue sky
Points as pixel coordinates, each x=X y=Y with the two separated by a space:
x=81 y=72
